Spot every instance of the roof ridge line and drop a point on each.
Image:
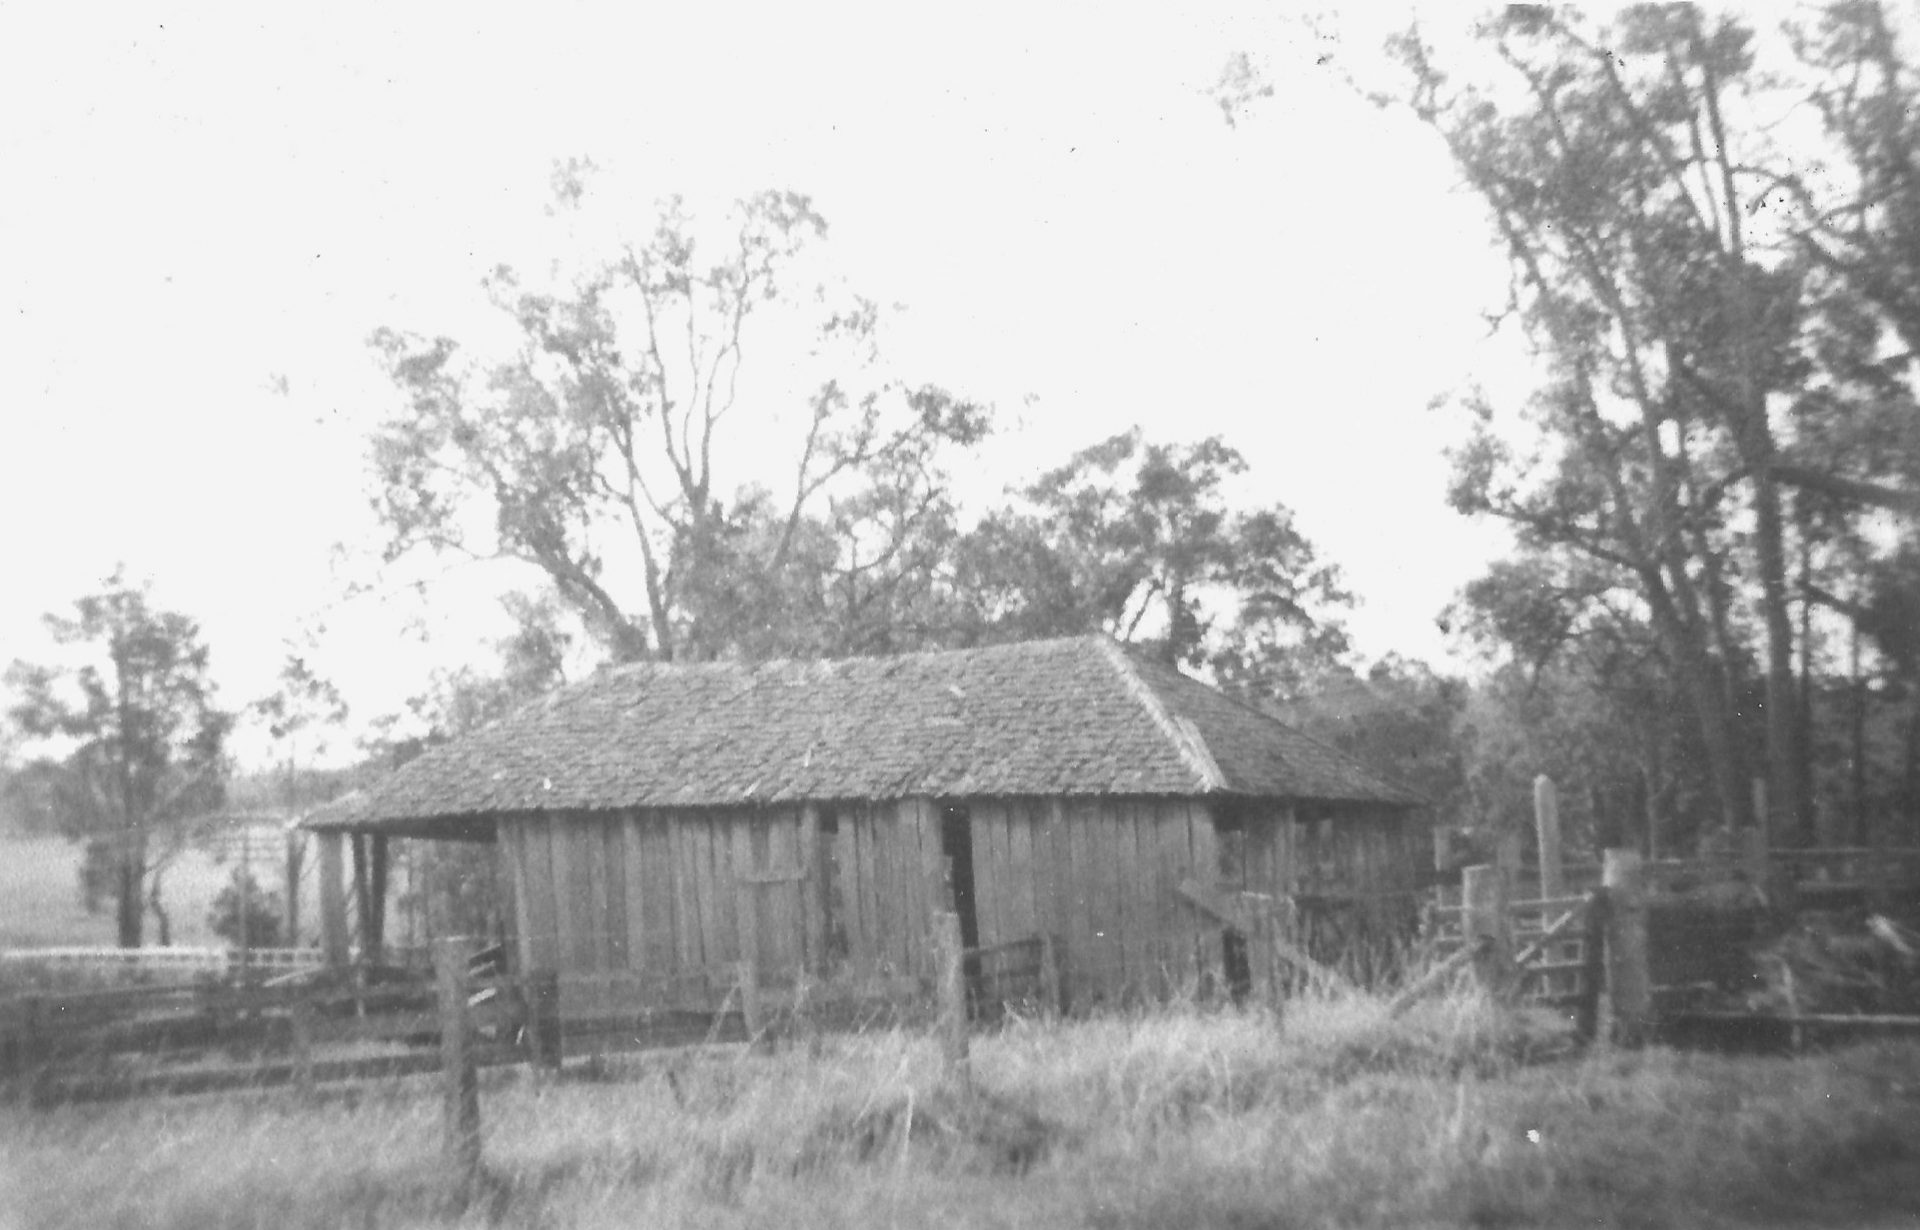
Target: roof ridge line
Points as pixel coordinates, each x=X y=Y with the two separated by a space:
x=1186 y=739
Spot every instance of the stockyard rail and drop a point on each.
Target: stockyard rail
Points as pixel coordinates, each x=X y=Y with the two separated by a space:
x=312 y=1026
x=157 y=964
x=1673 y=938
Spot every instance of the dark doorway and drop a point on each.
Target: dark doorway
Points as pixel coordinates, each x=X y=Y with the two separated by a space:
x=956 y=843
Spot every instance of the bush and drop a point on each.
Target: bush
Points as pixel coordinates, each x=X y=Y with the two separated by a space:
x=263 y=913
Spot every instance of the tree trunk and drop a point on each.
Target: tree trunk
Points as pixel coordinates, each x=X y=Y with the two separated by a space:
x=130 y=902
x=1857 y=742
x=160 y=918
x=1701 y=687
x=1786 y=751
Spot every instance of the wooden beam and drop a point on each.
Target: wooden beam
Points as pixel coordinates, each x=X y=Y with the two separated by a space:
x=1629 y=990
x=1546 y=823
x=1230 y=914
x=376 y=936
x=1485 y=926
x=333 y=899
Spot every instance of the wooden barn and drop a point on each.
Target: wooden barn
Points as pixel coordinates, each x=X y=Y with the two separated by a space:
x=659 y=824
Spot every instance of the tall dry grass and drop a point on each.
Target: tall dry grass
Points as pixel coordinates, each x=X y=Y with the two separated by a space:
x=1334 y=1115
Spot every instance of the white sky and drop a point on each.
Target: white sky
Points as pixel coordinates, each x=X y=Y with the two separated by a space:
x=200 y=198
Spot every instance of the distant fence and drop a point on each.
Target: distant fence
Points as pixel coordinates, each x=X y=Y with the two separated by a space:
x=159 y=964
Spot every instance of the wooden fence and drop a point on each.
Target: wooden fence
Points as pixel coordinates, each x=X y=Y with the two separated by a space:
x=159 y=964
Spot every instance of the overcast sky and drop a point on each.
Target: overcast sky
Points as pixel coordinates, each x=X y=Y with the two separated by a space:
x=201 y=201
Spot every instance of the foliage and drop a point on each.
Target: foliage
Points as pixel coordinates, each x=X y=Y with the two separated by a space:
x=1399 y=719
x=1720 y=302
x=261 y=916
x=1140 y=540
x=145 y=734
x=608 y=452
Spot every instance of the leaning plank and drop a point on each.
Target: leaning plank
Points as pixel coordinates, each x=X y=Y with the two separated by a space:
x=1433 y=978
x=1229 y=914
x=1540 y=941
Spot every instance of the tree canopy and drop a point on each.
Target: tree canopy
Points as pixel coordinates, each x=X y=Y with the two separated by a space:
x=611 y=449
x=1720 y=296
x=146 y=737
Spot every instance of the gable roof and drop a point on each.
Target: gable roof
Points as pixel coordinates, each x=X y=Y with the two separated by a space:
x=1080 y=716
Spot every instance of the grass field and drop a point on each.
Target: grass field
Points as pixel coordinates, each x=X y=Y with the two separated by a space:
x=40 y=897
x=1336 y=1116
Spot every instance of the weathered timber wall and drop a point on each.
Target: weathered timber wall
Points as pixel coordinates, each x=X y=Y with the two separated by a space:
x=1351 y=873
x=848 y=890
x=1100 y=875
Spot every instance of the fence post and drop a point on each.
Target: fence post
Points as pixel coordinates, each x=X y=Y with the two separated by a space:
x=1051 y=1003
x=1593 y=968
x=460 y=1081
x=751 y=1013
x=1262 y=965
x=1485 y=927
x=1629 y=993
x=953 y=995
x=543 y=1018
x=1546 y=824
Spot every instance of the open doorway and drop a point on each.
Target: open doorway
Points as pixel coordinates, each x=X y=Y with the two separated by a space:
x=956 y=843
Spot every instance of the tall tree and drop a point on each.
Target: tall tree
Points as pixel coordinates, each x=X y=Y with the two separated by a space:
x=146 y=736
x=598 y=451
x=1140 y=539
x=1704 y=318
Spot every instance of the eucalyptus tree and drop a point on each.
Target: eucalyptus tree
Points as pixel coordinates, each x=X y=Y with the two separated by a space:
x=628 y=446
x=139 y=738
x=1714 y=323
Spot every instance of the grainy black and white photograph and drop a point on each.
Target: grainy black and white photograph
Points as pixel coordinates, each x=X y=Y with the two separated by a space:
x=1012 y=615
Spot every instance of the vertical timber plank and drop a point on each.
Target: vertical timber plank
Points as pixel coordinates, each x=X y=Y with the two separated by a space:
x=686 y=897
x=1023 y=922
x=591 y=831
x=746 y=894
x=1080 y=892
x=1148 y=952
x=1171 y=859
x=543 y=927
x=1206 y=868
x=655 y=865
x=856 y=839
x=988 y=831
x=814 y=862
x=507 y=836
x=634 y=892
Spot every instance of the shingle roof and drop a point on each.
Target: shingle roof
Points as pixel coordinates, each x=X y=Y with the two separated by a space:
x=1080 y=716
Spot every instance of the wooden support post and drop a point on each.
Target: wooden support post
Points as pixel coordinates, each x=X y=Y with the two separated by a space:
x=543 y=1019
x=1262 y=965
x=1546 y=825
x=752 y=1014
x=953 y=995
x=1629 y=993
x=333 y=900
x=300 y=1011
x=374 y=941
x=246 y=901
x=1485 y=927
x=295 y=853
x=1052 y=1002
x=1593 y=968
x=460 y=1080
